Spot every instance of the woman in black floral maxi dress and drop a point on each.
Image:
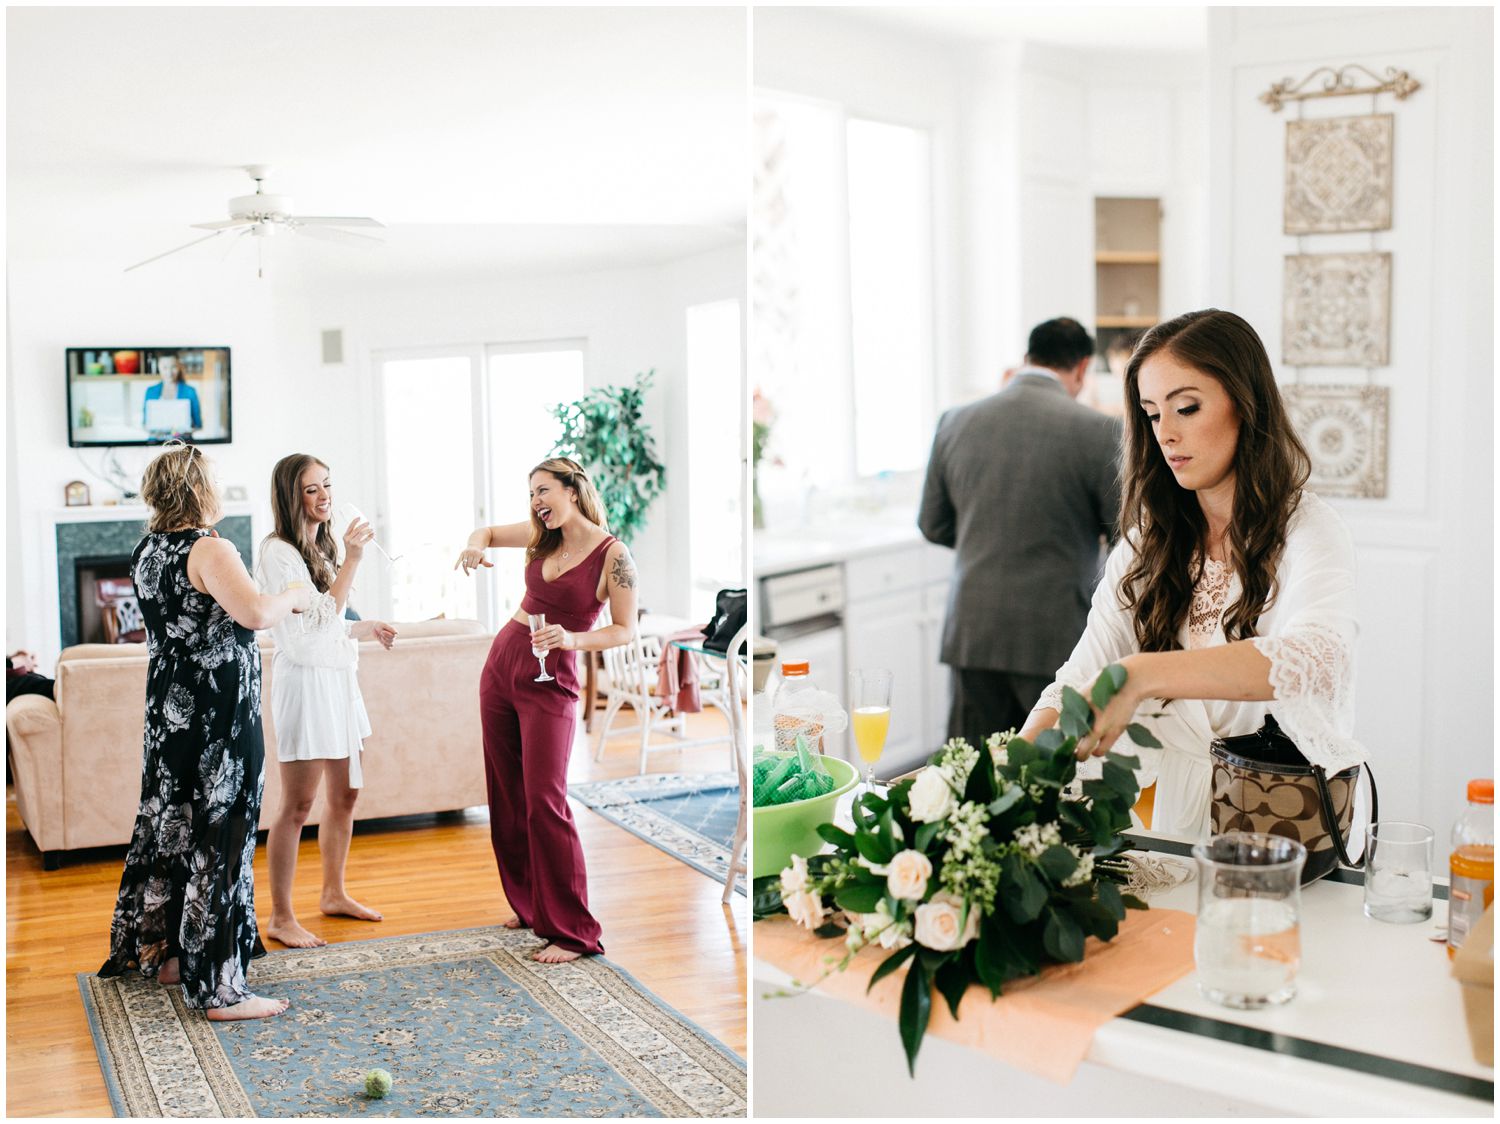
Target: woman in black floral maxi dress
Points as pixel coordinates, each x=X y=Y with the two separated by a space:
x=188 y=891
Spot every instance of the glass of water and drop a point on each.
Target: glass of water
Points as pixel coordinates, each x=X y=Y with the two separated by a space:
x=1398 y=872
x=1248 y=944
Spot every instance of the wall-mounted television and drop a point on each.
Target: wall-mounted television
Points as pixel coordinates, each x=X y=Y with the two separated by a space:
x=147 y=395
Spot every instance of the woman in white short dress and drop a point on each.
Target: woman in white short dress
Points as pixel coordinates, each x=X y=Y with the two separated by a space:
x=1231 y=594
x=318 y=712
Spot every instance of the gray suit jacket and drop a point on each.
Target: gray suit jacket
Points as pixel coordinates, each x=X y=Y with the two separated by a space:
x=1021 y=484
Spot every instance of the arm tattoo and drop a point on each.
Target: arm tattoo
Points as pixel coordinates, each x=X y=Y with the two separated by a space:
x=623 y=572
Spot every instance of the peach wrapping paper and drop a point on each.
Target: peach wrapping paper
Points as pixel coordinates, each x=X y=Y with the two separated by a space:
x=1043 y=1024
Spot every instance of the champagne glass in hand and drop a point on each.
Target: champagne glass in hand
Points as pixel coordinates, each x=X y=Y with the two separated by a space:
x=871 y=690
x=539 y=621
x=350 y=513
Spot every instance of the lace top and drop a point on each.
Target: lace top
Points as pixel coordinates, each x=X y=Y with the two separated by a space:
x=1308 y=634
x=318 y=637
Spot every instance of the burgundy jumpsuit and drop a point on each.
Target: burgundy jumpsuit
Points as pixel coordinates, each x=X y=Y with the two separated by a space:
x=528 y=735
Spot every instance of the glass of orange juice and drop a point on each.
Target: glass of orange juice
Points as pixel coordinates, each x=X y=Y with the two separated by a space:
x=870 y=690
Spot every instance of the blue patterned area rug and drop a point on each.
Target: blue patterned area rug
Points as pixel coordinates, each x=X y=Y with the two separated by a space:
x=465 y=1021
x=690 y=816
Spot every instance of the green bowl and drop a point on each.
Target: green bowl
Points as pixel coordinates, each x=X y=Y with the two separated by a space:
x=784 y=830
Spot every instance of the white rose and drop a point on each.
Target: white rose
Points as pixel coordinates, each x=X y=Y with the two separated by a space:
x=881 y=926
x=938 y=923
x=931 y=796
x=907 y=875
x=794 y=877
x=806 y=909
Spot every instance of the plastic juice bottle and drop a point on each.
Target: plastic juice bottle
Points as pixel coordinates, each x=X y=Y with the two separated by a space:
x=790 y=711
x=1471 y=867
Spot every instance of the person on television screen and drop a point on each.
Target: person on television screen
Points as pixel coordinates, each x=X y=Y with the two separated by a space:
x=173 y=386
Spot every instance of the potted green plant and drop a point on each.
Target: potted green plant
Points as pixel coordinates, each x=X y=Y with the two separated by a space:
x=603 y=431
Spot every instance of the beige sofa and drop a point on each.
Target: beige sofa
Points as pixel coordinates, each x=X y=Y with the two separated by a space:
x=76 y=763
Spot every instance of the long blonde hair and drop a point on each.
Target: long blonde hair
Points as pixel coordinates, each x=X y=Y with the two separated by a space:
x=178 y=486
x=321 y=555
x=570 y=474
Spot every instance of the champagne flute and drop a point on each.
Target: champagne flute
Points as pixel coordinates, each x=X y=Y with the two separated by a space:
x=871 y=691
x=539 y=620
x=349 y=513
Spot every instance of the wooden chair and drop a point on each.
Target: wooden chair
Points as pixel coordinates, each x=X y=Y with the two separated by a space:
x=736 y=671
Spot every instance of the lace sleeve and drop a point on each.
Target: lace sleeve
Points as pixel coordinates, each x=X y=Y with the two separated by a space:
x=1310 y=636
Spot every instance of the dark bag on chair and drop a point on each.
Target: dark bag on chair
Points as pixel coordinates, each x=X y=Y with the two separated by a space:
x=730 y=612
x=1261 y=782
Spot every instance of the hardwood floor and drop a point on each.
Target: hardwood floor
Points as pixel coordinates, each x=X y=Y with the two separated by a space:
x=662 y=920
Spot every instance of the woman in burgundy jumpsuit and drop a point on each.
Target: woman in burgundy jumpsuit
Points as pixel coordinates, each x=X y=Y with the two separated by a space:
x=573 y=565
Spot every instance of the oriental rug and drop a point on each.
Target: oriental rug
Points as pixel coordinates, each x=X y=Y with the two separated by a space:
x=464 y=1021
x=689 y=816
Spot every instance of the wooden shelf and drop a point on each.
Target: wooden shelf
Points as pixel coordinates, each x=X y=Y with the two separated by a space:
x=1127 y=257
x=1125 y=321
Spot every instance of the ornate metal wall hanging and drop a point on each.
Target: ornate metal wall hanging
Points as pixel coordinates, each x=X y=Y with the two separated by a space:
x=1338 y=174
x=1344 y=429
x=1343 y=82
x=1336 y=310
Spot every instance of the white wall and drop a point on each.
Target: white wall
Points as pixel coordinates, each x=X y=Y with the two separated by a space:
x=285 y=399
x=1426 y=656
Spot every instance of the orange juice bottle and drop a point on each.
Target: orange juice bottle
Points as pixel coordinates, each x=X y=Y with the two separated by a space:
x=1471 y=885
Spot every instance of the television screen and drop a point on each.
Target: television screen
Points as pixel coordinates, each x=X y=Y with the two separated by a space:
x=147 y=395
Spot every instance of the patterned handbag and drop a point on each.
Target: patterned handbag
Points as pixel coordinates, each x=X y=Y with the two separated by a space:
x=1261 y=782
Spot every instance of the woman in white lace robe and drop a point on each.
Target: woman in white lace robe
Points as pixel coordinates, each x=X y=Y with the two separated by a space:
x=1213 y=476
x=316 y=706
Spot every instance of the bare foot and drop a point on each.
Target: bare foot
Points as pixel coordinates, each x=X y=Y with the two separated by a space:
x=293 y=935
x=170 y=973
x=514 y=923
x=256 y=1007
x=346 y=906
x=551 y=954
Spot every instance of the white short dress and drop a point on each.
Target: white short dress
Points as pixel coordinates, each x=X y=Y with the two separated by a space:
x=1308 y=634
x=315 y=700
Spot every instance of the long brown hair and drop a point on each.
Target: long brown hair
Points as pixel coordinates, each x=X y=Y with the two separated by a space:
x=1165 y=520
x=321 y=555
x=178 y=486
x=570 y=474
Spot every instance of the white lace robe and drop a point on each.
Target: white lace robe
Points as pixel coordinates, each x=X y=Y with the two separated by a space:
x=316 y=703
x=1308 y=634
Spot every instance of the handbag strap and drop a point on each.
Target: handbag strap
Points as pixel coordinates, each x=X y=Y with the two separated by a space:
x=1331 y=820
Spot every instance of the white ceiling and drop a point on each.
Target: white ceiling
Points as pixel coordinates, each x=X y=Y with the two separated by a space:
x=1123 y=27
x=124 y=125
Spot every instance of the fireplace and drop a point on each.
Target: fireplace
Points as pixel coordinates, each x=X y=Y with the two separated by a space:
x=110 y=576
x=101 y=548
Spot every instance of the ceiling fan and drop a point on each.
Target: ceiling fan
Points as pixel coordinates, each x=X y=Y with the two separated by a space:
x=261 y=214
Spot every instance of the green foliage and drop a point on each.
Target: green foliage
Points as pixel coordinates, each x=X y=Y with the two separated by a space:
x=603 y=431
x=1042 y=858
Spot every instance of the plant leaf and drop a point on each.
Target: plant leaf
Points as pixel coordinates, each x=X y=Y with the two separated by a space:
x=832 y=833
x=1076 y=719
x=1057 y=862
x=1133 y=902
x=1063 y=937
x=926 y=834
x=767 y=896
x=1142 y=736
x=1023 y=892
x=859 y=898
x=890 y=964
x=916 y=1009
x=952 y=979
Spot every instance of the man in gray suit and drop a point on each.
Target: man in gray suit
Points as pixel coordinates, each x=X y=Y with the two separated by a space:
x=1022 y=484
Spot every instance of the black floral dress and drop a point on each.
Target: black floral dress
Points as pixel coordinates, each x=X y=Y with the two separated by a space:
x=188 y=889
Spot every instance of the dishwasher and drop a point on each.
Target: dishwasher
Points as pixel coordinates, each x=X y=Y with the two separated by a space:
x=803 y=612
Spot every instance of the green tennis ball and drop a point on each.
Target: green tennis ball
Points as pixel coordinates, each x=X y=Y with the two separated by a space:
x=378 y=1083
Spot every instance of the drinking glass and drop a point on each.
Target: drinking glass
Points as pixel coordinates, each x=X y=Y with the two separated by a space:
x=1398 y=872
x=870 y=689
x=348 y=513
x=539 y=620
x=1248 y=944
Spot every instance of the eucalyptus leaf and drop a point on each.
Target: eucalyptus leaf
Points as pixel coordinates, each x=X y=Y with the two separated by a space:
x=1057 y=862
x=1109 y=898
x=1142 y=736
x=1062 y=937
x=1023 y=892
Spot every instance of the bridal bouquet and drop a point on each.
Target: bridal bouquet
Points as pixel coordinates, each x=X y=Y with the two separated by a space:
x=983 y=868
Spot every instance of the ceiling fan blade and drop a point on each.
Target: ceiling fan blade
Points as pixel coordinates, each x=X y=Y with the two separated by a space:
x=224 y=225
x=184 y=246
x=324 y=220
x=329 y=234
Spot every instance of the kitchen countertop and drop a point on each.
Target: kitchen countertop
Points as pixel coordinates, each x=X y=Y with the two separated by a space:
x=783 y=552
